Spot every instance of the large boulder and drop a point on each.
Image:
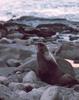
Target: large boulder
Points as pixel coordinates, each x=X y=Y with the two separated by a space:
x=45 y=32
x=16 y=86
x=7 y=94
x=19 y=42
x=3 y=31
x=28 y=65
x=15 y=35
x=5 y=41
x=14 y=26
x=10 y=52
x=22 y=94
x=35 y=94
x=30 y=77
x=68 y=51
x=59 y=93
x=3 y=64
x=15 y=77
x=57 y=27
x=27 y=87
x=4 y=80
x=5 y=71
x=13 y=63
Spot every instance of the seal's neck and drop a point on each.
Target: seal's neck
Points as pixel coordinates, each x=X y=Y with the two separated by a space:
x=50 y=56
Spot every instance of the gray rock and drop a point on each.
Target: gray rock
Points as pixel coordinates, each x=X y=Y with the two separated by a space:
x=28 y=65
x=2 y=64
x=9 y=53
x=7 y=94
x=16 y=86
x=5 y=71
x=51 y=93
x=17 y=77
x=68 y=51
x=5 y=41
x=15 y=35
x=22 y=94
x=3 y=32
x=59 y=93
x=19 y=41
x=4 y=80
x=13 y=63
x=76 y=88
x=35 y=94
x=27 y=87
x=14 y=52
x=30 y=77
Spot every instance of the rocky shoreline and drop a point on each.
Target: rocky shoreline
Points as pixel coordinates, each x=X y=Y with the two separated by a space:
x=18 y=63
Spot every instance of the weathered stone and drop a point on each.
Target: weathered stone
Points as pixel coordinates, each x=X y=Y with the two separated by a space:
x=7 y=94
x=15 y=35
x=22 y=94
x=30 y=77
x=73 y=37
x=5 y=71
x=35 y=94
x=18 y=52
x=4 y=80
x=76 y=88
x=13 y=63
x=30 y=64
x=57 y=27
x=3 y=31
x=27 y=87
x=19 y=41
x=15 y=77
x=16 y=86
x=59 y=93
x=3 y=64
x=11 y=26
x=68 y=51
x=5 y=41
x=45 y=32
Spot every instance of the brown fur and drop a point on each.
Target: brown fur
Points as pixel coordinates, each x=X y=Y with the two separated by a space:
x=48 y=70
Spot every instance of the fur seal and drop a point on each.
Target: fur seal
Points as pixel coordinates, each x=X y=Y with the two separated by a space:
x=48 y=70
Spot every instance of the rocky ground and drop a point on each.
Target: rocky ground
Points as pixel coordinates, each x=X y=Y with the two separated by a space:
x=18 y=63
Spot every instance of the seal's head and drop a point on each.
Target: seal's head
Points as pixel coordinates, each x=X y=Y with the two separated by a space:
x=42 y=47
